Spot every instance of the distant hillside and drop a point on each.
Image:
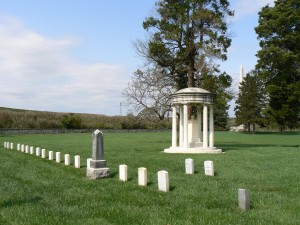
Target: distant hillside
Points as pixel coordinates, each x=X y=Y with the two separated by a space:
x=30 y=119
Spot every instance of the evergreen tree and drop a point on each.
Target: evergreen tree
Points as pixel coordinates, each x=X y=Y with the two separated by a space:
x=220 y=86
x=279 y=60
x=186 y=33
x=250 y=102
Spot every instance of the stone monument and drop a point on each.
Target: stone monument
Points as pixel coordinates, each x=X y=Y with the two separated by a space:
x=97 y=168
x=196 y=132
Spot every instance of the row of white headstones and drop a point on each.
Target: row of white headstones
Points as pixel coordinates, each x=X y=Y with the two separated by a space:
x=43 y=153
x=162 y=176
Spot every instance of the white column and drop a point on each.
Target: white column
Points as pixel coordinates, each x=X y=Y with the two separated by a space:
x=181 y=126
x=199 y=121
x=174 y=127
x=211 y=126
x=185 y=125
x=205 y=126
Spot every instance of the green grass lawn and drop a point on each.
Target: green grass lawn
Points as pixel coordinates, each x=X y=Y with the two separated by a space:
x=38 y=191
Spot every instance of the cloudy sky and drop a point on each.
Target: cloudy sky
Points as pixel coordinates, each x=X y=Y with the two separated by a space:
x=77 y=56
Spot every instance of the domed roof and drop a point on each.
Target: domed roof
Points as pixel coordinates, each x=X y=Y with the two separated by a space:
x=192 y=95
x=192 y=90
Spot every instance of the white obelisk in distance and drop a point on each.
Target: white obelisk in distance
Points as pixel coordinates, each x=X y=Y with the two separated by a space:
x=241 y=75
x=241 y=127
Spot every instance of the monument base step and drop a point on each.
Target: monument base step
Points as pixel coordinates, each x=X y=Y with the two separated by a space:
x=98 y=173
x=197 y=150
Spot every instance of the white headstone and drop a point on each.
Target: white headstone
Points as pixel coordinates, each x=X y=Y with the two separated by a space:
x=88 y=163
x=51 y=155
x=26 y=149
x=163 y=180
x=57 y=157
x=67 y=160
x=142 y=176
x=43 y=153
x=209 y=168
x=38 y=151
x=18 y=147
x=189 y=166
x=123 y=176
x=31 y=150
x=11 y=145
x=22 y=148
x=4 y=144
x=77 y=161
x=244 y=199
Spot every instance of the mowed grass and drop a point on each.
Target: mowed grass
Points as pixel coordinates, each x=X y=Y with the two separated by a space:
x=39 y=191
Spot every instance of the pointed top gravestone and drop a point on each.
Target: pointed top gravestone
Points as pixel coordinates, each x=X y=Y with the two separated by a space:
x=97 y=167
x=98 y=150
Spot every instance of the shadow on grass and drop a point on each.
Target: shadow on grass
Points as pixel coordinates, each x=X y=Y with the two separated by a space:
x=238 y=146
x=273 y=133
x=172 y=188
x=113 y=174
x=14 y=202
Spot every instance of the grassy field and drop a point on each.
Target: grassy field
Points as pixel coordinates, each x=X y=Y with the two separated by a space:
x=39 y=191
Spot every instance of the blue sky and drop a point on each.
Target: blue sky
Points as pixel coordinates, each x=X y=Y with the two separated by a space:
x=77 y=56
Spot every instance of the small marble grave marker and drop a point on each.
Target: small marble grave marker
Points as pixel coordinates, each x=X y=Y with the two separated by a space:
x=38 y=151
x=50 y=155
x=77 y=161
x=57 y=157
x=11 y=145
x=4 y=144
x=123 y=175
x=22 y=148
x=209 y=168
x=97 y=167
x=244 y=199
x=88 y=163
x=163 y=180
x=142 y=176
x=67 y=160
x=31 y=150
x=26 y=149
x=43 y=153
x=18 y=147
x=189 y=166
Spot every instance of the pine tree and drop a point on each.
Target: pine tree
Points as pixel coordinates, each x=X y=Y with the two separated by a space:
x=186 y=33
x=250 y=102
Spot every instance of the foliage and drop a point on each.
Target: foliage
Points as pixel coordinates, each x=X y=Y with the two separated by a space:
x=71 y=121
x=40 y=191
x=251 y=101
x=149 y=93
x=186 y=33
x=279 y=60
x=26 y=119
x=219 y=85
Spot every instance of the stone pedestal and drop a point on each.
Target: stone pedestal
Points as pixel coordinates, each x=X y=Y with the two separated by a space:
x=97 y=173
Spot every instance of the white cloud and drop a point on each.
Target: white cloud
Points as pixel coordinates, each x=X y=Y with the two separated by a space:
x=247 y=7
x=39 y=73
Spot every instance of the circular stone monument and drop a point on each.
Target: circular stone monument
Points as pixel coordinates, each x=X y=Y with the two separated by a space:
x=193 y=135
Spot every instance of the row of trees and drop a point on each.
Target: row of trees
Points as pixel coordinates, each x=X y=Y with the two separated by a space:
x=271 y=93
x=186 y=37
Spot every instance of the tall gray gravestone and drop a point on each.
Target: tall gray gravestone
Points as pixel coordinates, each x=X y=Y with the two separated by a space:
x=97 y=168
